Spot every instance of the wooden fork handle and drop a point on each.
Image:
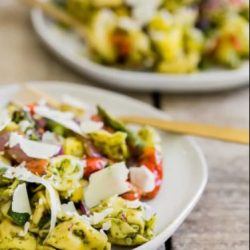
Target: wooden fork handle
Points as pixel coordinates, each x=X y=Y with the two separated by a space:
x=202 y=130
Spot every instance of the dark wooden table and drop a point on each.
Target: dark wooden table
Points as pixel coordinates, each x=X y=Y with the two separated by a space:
x=221 y=220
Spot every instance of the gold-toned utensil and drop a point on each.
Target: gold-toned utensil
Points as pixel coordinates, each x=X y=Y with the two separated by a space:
x=59 y=15
x=188 y=128
x=30 y=94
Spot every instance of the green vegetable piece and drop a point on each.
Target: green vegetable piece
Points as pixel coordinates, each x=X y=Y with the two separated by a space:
x=112 y=145
x=76 y=234
x=133 y=139
x=18 y=218
x=56 y=128
x=73 y=146
x=10 y=237
x=6 y=192
x=128 y=226
x=61 y=3
x=150 y=137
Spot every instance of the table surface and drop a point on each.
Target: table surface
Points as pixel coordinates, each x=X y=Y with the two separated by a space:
x=221 y=220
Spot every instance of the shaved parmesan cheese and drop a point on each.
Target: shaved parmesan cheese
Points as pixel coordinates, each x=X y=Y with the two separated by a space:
x=149 y=211
x=24 y=125
x=3 y=163
x=20 y=202
x=63 y=118
x=51 y=138
x=89 y=110
x=134 y=204
x=88 y=127
x=144 y=10
x=25 y=230
x=22 y=174
x=74 y=102
x=68 y=179
x=33 y=149
x=69 y=208
x=97 y=218
x=129 y=24
x=107 y=183
x=4 y=119
x=106 y=226
x=142 y=178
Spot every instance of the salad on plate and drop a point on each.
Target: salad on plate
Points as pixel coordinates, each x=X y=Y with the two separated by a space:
x=165 y=36
x=75 y=177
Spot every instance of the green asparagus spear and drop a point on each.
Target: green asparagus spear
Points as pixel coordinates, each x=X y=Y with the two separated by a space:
x=133 y=139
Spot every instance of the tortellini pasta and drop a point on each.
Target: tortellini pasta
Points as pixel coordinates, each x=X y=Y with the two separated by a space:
x=125 y=224
x=10 y=237
x=78 y=235
x=53 y=176
x=113 y=145
x=64 y=173
x=168 y=36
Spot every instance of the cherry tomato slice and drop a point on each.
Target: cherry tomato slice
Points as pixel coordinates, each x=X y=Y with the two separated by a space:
x=38 y=167
x=94 y=164
x=152 y=160
x=133 y=194
x=96 y=118
x=32 y=108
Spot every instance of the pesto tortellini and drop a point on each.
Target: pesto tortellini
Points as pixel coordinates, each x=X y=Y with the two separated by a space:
x=65 y=179
x=125 y=223
x=64 y=173
x=10 y=237
x=165 y=36
x=112 y=145
x=78 y=235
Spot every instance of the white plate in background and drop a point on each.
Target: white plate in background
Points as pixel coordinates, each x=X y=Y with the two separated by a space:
x=68 y=47
x=185 y=168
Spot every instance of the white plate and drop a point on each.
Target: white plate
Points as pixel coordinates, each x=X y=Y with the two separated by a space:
x=185 y=167
x=68 y=47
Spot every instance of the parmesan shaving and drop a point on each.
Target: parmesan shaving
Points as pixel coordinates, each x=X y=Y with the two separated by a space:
x=20 y=201
x=107 y=226
x=4 y=119
x=107 y=183
x=74 y=102
x=22 y=174
x=33 y=149
x=144 y=10
x=63 y=118
x=142 y=178
x=97 y=218
x=25 y=230
x=69 y=208
x=88 y=127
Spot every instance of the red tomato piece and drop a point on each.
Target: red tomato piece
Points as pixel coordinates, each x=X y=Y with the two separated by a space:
x=32 y=108
x=38 y=167
x=96 y=118
x=236 y=42
x=133 y=194
x=152 y=160
x=94 y=164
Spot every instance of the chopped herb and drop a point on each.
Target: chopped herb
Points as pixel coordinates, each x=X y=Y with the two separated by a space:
x=18 y=218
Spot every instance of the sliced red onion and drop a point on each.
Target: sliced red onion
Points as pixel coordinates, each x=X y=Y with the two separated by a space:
x=4 y=139
x=17 y=154
x=82 y=208
x=91 y=150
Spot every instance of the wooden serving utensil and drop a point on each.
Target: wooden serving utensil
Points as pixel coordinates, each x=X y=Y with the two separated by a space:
x=59 y=15
x=189 y=128
x=29 y=94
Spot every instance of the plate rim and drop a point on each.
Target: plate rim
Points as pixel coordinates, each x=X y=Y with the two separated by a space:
x=145 y=81
x=172 y=228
